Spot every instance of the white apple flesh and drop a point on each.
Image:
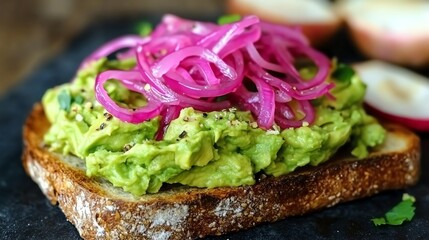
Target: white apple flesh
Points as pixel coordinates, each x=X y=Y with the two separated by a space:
x=396 y=93
x=316 y=18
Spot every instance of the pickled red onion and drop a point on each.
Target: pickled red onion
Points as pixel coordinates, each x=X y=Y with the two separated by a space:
x=130 y=80
x=185 y=63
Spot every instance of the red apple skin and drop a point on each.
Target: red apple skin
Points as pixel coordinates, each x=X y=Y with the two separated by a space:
x=421 y=125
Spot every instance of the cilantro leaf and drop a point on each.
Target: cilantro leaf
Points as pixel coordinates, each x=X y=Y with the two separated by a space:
x=144 y=28
x=225 y=19
x=64 y=99
x=78 y=99
x=378 y=221
x=343 y=73
x=403 y=211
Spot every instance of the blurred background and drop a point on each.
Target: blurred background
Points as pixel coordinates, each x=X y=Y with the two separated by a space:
x=393 y=30
x=33 y=31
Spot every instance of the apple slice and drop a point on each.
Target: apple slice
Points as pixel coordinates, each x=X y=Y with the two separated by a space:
x=390 y=30
x=396 y=93
x=316 y=18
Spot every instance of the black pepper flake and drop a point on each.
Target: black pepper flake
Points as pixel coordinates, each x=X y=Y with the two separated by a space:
x=205 y=115
x=183 y=134
x=102 y=126
x=127 y=147
x=108 y=116
x=186 y=119
x=218 y=117
x=134 y=109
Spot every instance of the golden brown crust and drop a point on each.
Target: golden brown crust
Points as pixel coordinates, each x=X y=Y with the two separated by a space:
x=99 y=211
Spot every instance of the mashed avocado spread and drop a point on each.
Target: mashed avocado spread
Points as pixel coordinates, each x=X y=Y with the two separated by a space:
x=224 y=148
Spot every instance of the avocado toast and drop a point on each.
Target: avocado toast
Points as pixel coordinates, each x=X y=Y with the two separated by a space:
x=216 y=168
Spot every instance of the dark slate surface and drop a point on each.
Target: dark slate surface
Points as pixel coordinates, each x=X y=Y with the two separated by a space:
x=26 y=214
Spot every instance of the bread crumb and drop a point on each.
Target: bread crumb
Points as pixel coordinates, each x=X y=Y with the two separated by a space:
x=229 y=206
x=100 y=230
x=110 y=208
x=161 y=235
x=170 y=216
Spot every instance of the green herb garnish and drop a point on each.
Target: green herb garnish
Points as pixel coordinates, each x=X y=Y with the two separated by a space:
x=64 y=99
x=78 y=99
x=228 y=19
x=343 y=73
x=403 y=211
x=144 y=28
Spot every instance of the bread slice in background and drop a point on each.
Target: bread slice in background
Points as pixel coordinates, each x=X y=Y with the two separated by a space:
x=316 y=18
x=98 y=210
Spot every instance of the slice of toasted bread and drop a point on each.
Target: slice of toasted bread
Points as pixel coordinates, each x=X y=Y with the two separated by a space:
x=98 y=210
